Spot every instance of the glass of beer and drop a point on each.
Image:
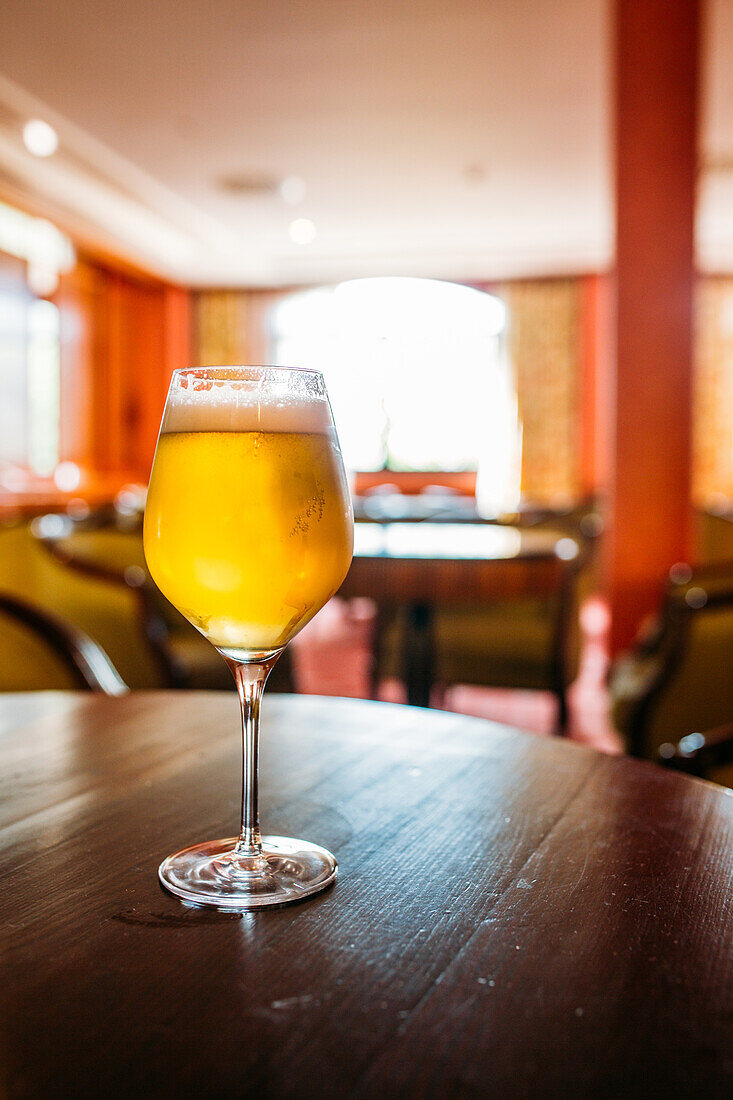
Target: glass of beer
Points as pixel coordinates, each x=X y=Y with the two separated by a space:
x=248 y=532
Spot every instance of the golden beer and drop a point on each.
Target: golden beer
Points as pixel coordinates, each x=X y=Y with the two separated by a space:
x=249 y=532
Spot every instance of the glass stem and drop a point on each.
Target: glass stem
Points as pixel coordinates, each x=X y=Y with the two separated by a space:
x=250 y=677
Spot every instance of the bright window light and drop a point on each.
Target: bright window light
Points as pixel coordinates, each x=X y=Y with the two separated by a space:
x=302 y=231
x=417 y=373
x=44 y=387
x=34 y=239
x=30 y=386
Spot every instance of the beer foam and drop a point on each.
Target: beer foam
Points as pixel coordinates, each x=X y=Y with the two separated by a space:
x=227 y=409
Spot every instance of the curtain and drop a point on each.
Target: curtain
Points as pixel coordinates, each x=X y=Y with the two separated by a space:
x=712 y=436
x=231 y=327
x=544 y=347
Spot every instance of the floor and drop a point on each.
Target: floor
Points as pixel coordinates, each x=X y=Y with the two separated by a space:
x=331 y=657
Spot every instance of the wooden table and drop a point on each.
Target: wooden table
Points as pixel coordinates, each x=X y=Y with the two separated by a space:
x=419 y=566
x=515 y=916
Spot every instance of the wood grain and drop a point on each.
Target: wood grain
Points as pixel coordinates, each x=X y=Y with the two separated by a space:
x=514 y=916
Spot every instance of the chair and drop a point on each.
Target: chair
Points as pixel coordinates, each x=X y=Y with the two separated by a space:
x=109 y=612
x=707 y=755
x=521 y=642
x=41 y=651
x=677 y=678
x=530 y=643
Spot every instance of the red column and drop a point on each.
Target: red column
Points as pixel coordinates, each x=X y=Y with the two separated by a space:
x=596 y=365
x=656 y=70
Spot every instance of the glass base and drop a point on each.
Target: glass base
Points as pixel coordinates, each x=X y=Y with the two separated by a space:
x=211 y=873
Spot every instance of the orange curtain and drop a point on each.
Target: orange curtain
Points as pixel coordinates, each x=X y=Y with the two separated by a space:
x=712 y=438
x=545 y=350
x=232 y=327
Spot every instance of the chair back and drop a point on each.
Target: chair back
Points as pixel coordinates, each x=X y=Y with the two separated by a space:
x=689 y=685
x=108 y=611
x=41 y=651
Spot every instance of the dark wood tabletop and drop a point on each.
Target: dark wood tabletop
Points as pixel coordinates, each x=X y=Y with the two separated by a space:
x=514 y=917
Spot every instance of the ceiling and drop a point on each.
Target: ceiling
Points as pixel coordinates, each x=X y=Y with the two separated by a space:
x=466 y=140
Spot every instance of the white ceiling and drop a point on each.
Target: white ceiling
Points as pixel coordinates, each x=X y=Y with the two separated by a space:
x=454 y=138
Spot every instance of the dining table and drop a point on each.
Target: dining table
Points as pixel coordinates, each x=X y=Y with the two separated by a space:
x=514 y=916
x=420 y=567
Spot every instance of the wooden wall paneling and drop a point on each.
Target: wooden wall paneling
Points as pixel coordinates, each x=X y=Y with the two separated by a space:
x=88 y=318
x=112 y=393
x=178 y=350
x=146 y=326
x=121 y=338
x=160 y=328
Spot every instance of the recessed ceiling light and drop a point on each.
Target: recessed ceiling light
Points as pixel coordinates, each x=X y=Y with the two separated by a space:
x=475 y=172
x=39 y=138
x=302 y=231
x=292 y=190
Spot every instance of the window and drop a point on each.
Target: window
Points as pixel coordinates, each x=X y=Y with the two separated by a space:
x=417 y=372
x=29 y=385
x=32 y=253
x=44 y=387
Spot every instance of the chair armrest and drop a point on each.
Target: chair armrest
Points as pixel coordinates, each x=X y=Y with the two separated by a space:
x=82 y=655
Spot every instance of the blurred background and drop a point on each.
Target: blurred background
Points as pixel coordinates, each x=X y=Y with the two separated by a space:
x=503 y=231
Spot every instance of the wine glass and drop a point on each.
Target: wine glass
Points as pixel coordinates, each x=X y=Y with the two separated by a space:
x=248 y=532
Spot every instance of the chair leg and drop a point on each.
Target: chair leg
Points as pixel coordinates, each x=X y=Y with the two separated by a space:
x=419 y=655
x=381 y=621
x=563 y=715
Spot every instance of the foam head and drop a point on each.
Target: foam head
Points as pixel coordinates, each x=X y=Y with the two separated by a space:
x=247 y=399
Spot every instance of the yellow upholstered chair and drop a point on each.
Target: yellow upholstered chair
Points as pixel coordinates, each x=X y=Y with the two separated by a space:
x=678 y=678
x=109 y=612
x=41 y=651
